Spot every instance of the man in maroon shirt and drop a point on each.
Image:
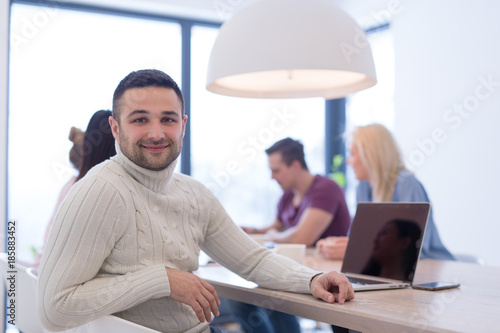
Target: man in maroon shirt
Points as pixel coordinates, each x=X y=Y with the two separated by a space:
x=312 y=206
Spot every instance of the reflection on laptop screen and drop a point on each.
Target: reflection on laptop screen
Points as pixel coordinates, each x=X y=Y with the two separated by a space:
x=385 y=240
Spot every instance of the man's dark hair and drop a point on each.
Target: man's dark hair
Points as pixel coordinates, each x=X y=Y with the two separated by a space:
x=142 y=79
x=291 y=150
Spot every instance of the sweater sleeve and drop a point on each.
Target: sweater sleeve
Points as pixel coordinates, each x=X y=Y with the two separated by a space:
x=226 y=243
x=73 y=288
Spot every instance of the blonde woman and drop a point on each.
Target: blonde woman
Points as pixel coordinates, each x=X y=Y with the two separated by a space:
x=378 y=165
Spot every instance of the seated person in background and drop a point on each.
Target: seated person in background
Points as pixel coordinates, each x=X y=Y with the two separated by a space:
x=378 y=164
x=76 y=136
x=98 y=143
x=126 y=239
x=312 y=207
x=90 y=148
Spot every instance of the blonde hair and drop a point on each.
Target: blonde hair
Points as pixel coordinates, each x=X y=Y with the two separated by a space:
x=381 y=157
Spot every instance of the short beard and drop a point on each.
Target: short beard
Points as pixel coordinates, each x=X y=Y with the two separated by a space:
x=136 y=155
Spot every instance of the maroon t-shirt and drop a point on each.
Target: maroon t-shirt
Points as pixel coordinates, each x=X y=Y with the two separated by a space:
x=324 y=194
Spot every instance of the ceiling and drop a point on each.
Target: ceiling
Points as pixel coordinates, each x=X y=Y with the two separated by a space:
x=219 y=10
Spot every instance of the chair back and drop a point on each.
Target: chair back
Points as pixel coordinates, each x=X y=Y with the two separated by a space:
x=23 y=290
x=104 y=324
x=112 y=323
x=26 y=302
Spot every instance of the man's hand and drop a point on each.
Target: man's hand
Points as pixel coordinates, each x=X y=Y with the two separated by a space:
x=250 y=230
x=273 y=235
x=189 y=289
x=331 y=287
x=332 y=247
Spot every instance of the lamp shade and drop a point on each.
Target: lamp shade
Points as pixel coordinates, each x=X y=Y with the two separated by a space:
x=290 y=49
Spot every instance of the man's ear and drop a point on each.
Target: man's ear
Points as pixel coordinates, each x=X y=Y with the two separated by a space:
x=115 y=128
x=184 y=120
x=296 y=165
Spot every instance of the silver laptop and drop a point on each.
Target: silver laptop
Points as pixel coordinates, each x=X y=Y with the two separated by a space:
x=384 y=245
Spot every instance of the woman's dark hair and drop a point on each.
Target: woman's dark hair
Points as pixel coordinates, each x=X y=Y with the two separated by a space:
x=98 y=143
x=406 y=229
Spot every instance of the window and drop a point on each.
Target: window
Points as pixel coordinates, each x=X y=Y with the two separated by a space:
x=374 y=105
x=62 y=70
x=229 y=136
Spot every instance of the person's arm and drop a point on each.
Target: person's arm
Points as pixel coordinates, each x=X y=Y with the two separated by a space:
x=312 y=224
x=277 y=225
x=331 y=287
x=323 y=202
x=332 y=247
x=189 y=289
x=227 y=244
x=231 y=247
x=62 y=195
x=72 y=290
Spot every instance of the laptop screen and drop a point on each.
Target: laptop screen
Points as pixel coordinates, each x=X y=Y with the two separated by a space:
x=385 y=240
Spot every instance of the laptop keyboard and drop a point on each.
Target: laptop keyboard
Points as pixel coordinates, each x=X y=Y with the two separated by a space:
x=357 y=280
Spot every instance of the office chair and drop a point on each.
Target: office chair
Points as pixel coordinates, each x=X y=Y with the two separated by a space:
x=25 y=296
x=104 y=324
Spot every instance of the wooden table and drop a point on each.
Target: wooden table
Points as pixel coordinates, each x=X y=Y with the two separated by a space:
x=474 y=307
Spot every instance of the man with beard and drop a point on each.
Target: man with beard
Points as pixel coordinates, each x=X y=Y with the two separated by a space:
x=127 y=236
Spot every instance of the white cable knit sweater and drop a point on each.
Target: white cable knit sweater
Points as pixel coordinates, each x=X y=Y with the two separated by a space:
x=117 y=230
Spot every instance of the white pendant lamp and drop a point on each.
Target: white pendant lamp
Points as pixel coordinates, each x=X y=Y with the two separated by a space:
x=290 y=49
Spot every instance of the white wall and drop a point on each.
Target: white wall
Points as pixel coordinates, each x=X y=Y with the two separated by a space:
x=448 y=118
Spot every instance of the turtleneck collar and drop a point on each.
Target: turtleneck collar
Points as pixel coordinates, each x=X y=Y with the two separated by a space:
x=156 y=181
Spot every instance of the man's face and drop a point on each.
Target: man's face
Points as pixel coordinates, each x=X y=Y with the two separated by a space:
x=151 y=126
x=280 y=172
